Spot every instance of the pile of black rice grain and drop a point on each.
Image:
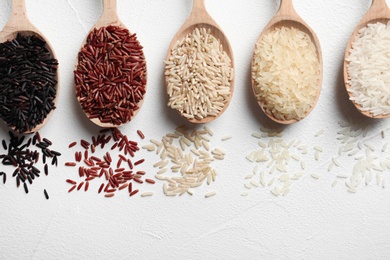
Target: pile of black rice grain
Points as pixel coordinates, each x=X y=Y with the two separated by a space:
x=28 y=84
x=25 y=155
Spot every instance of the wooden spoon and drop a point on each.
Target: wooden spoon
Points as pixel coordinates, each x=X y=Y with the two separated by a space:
x=109 y=17
x=378 y=12
x=288 y=17
x=200 y=18
x=19 y=23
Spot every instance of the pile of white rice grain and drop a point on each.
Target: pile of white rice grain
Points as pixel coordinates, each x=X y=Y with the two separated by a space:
x=185 y=160
x=368 y=69
x=199 y=74
x=286 y=73
x=362 y=158
x=278 y=163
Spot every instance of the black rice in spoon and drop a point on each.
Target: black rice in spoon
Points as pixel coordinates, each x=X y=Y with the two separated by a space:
x=27 y=82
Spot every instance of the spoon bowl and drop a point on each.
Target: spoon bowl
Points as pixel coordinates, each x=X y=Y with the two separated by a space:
x=288 y=17
x=20 y=24
x=199 y=18
x=109 y=17
x=379 y=12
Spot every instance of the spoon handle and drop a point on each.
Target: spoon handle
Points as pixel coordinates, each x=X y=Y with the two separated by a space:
x=19 y=20
x=378 y=10
x=378 y=5
x=18 y=8
x=286 y=8
x=379 y=2
x=109 y=14
x=18 y=11
x=198 y=8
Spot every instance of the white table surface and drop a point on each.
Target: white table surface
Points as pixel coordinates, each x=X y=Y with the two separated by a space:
x=314 y=221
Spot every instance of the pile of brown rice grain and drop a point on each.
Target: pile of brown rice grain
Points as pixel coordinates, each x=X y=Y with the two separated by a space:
x=186 y=158
x=199 y=73
x=286 y=73
x=278 y=162
x=363 y=155
x=368 y=69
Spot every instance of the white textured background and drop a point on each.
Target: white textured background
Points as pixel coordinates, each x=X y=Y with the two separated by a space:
x=314 y=221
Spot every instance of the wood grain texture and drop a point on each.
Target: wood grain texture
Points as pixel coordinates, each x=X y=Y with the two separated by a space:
x=200 y=18
x=19 y=23
x=378 y=12
x=288 y=17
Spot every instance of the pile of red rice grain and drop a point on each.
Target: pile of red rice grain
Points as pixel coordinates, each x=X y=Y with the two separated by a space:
x=111 y=75
x=114 y=171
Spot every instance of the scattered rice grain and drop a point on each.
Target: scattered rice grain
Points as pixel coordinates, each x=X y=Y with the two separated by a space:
x=210 y=194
